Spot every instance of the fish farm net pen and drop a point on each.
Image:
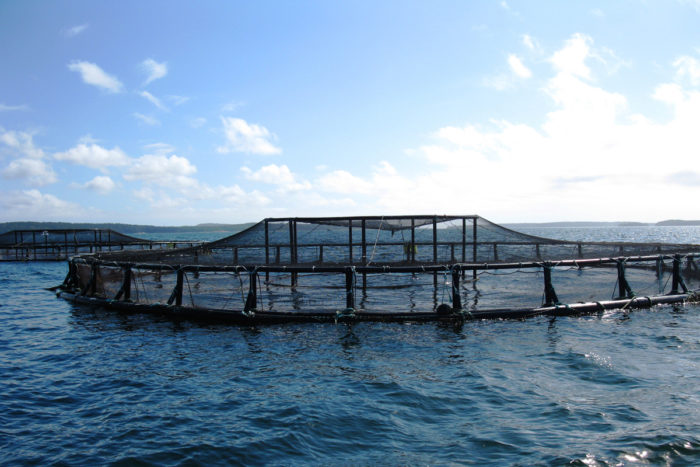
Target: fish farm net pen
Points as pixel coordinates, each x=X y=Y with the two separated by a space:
x=383 y=268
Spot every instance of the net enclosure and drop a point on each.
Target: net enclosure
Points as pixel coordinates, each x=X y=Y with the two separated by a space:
x=420 y=267
x=60 y=244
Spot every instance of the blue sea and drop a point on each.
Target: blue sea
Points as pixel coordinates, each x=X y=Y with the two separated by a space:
x=86 y=386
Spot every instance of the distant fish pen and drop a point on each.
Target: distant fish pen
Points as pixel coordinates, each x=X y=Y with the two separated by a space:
x=60 y=244
x=384 y=268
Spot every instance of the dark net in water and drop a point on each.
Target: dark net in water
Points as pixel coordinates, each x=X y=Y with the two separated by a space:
x=390 y=267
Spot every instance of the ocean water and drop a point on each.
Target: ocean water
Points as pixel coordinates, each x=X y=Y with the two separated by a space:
x=86 y=386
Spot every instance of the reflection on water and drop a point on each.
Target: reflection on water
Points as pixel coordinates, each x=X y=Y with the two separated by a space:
x=88 y=386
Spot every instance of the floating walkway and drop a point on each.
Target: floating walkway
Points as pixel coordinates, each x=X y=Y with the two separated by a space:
x=60 y=244
x=390 y=268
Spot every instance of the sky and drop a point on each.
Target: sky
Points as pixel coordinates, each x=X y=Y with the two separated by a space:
x=180 y=112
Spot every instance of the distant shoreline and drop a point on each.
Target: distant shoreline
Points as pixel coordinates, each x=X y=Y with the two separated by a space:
x=230 y=228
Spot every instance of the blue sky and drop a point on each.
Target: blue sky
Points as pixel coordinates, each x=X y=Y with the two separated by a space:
x=177 y=112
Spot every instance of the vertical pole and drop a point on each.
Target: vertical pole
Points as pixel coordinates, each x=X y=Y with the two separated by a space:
x=413 y=240
x=364 y=252
x=464 y=240
x=435 y=258
x=294 y=251
x=677 y=279
x=549 y=293
x=456 y=295
x=350 y=241
x=435 y=253
x=34 y=243
x=251 y=302
x=291 y=249
x=364 y=241
x=267 y=250
x=474 y=247
x=349 y=289
x=179 y=286
x=623 y=287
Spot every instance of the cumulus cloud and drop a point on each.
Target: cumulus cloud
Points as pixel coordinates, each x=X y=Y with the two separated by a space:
x=153 y=70
x=34 y=171
x=529 y=42
x=688 y=67
x=94 y=156
x=248 y=138
x=571 y=60
x=279 y=175
x=21 y=143
x=34 y=205
x=588 y=149
x=160 y=169
x=152 y=99
x=517 y=67
x=95 y=76
x=100 y=184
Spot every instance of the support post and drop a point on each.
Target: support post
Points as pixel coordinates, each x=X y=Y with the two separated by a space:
x=350 y=241
x=364 y=252
x=267 y=249
x=413 y=240
x=349 y=288
x=677 y=278
x=464 y=240
x=251 y=302
x=474 y=252
x=623 y=287
x=456 y=295
x=92 y=283
x=176 y=296
x=125 y=289
x=550 y=296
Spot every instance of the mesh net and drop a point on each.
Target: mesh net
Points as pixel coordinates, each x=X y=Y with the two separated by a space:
x=308 y=265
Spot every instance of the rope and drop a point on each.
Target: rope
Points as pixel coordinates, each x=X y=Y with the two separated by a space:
x=376 y=240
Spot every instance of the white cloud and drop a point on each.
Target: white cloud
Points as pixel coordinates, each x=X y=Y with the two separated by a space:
x=100 y=184
x=21 y=143
x=153 y=70
x=177 y=100
x=146 y=119
x=231 y=106
x=94 y=156
x=34 y=205
x=94 y=75
x=517 y=67
x=529 y=42
x=160 y=148
x=35 y=171
x=173 y=171
x=279 y=175
x=589 y=156
x=571 y=60
x=75 y=30
x=248 y=138
x=688 y=67
x=152 y=99
x=9 y=108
